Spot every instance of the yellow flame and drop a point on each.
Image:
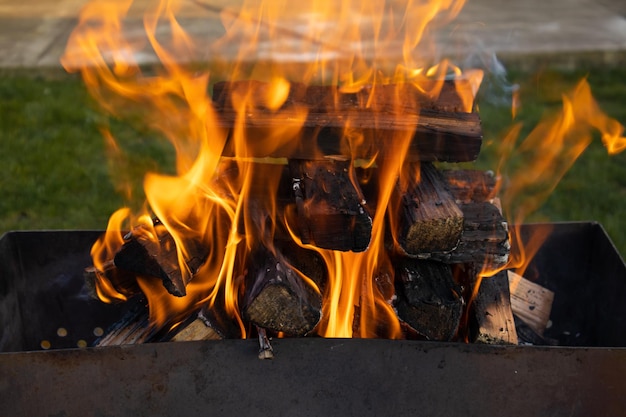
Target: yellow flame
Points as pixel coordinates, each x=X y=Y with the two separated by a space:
x=533 y=169
x=221 y=197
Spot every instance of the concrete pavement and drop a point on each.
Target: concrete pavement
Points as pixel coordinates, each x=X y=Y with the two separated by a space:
x=34 y=33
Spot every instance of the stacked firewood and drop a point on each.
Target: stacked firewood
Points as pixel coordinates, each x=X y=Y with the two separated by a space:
x=448 y=224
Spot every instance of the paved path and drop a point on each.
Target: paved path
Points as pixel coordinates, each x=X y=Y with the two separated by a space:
x=34 y=33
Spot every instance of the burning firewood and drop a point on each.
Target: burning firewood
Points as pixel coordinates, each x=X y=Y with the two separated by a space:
x=278 y=298
x=470 y=185
x=440 y=128
x=430 y=220
x=491 y=311
x=330 y=207
x=485 y=237
x=324 y=98
x=156 y=255
x=428 y=299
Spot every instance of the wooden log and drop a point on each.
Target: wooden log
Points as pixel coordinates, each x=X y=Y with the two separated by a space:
x=277 y=297
x=383 y=116
x=330 y=207
x=155 y=254
x=428 y=299
x=132 y=328
x=491 y=312
x=485 y=238
x=199 y=328
x=470 y=185
x=531 y=302
x=405 y=98
x=430 y=220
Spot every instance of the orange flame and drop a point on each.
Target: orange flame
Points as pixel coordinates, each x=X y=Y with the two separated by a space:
x=532 y=169
x=350 y=44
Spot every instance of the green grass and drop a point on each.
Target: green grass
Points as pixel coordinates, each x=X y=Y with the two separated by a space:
x=55 y=174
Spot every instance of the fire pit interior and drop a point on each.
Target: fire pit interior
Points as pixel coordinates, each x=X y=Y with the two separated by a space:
x=46 y=304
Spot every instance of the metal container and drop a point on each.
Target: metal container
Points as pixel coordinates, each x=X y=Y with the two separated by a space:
x=43 y=300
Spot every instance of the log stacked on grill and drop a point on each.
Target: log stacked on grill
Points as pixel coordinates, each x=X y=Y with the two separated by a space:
x=447 y=222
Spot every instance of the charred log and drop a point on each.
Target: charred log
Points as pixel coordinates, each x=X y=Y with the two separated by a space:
x=491 y=311
x=277 y=296
x=440 y=131
x=330 y=207
x=430 y=220
x=428 y=299
x=319 y=98
x=485 y=238
x=470 y=186
x=156 y=254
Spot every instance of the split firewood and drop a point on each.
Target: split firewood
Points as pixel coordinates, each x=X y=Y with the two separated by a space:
x=428 y=299
x=485 y=237
x=470 y=185
x=531 y=302
x=278 y=297
x=318 y=116
x=491 y=311
x=331 y=209
x=430 y=220
x=155 y=254
x=132 y=328
x=198 y=329
x=323 y=98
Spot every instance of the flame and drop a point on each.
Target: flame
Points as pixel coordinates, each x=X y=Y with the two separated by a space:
x=533 y=167
x=215 y=199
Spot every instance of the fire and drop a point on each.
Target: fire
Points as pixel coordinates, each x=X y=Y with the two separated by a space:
x=222 y=201
x=533 y=168
x=207 y=203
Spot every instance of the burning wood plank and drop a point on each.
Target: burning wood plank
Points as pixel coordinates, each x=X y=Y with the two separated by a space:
x=277 y=297
x=485 y=236
x=439 y=131
x=430 y=220
x=428 y=299
x=323 y=98
x=491 y=310
x=330 y=206
x=157 y=256
x=470 y=185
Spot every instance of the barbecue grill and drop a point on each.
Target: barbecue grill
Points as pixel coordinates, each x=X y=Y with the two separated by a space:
x=43 y=299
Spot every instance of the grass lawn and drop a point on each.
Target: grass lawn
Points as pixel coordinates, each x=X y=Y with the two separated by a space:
x=55 y=175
